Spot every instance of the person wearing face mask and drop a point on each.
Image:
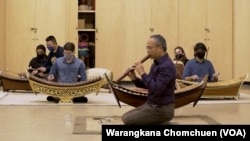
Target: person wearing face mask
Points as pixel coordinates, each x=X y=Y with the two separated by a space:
x=40 y=58
x=199 y=66
x=180 y=55
x=37 y=61
x=56 y=51
x=68 y=69
x=179 y=60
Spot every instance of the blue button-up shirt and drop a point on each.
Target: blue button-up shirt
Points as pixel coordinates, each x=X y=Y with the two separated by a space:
x=193 y=67
x=68 y=72
x=160 y=81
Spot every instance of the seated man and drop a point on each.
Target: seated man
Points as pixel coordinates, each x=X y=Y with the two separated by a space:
x=68 y=69
x=198 y=67
x=56 y=51
x=37 y=61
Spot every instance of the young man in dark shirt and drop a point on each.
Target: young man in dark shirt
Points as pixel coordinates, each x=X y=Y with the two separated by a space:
x=56 y=51
x=40 y=58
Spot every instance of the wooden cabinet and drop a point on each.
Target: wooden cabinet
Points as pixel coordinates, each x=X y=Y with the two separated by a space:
x=164 y=21
x=20 y=38
x=86 y=32
x=38 y=20
x=71 y=22
x=191 y=24
x=210 y=22
x=137 y=14
x=241 y=38
x=152 y=17
x=121 y=33
x=2 y=34
x=110 y=35
x=124 y=26
x=220 y=36
x=122 y=29
x=51 y=19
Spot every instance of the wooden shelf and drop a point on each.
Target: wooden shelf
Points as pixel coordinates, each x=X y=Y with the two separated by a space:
x=86 y=25
x=86 y=11
x=86 y=29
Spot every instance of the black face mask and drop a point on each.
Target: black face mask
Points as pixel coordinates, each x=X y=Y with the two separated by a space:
x=40 y=56
x=200 y=55
x=178 y=56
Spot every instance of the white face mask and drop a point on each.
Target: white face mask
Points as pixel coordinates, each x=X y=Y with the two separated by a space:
x=69 y=57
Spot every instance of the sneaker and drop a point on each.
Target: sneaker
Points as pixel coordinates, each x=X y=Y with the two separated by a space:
x=51 y=98
x=82 y=99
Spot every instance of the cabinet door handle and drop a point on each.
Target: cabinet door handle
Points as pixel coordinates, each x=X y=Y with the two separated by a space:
x=151 y=29
x=33 y=28
x=207 y=30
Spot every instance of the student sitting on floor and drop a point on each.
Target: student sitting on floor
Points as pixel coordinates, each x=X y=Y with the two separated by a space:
x=68 y=69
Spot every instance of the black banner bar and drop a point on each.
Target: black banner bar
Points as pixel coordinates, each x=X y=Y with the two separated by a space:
x=163 y=132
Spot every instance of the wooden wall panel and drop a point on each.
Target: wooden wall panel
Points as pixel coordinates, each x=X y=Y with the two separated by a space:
x=110 y=35
x=220 y=35
x=20 y=39
x=47 y=16
x=71 y=22
x=124 y=27
x=137 y=31
x=192 y=24
x=165 y=22
x=51 y=19
x=2 y=35
x=209 y=22
x=241 y=38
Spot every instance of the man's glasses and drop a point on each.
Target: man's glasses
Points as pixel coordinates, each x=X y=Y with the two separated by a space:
x=150 y=48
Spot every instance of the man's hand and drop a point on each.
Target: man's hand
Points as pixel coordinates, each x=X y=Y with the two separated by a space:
x=194 y=77
x=35 y=72
x=139 y=68
x=51 y=77
x=53 y=59
x=41 y=69
x=41 y=74
x=132 y=74
x=215 y=77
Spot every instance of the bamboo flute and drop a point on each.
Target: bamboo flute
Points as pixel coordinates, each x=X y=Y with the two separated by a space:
x=129 y=70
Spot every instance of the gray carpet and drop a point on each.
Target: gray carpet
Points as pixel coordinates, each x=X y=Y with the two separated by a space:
x=93 y=125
